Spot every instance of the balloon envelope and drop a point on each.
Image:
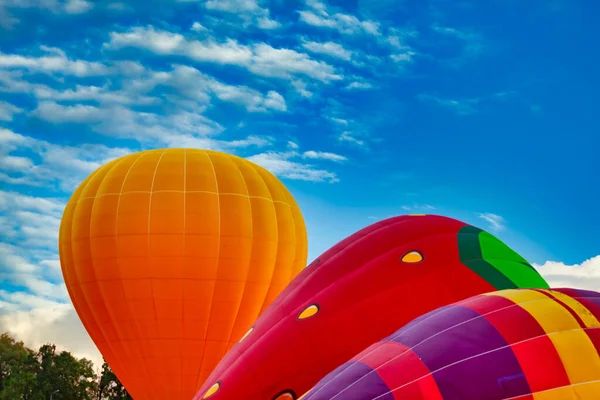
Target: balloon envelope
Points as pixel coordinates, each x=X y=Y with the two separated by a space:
x=515 y=344
x=170 y=255
x=361 y=291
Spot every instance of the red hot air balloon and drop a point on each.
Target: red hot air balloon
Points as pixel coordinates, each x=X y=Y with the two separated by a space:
x=518 y=344
x=358 y=292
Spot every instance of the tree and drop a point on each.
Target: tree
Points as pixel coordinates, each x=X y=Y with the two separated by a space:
x=35 y=375
x=18 y=371
x=74 y=379
x=110 y=386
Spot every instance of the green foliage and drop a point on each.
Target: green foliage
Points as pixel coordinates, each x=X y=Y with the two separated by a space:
x=26 y=374
x=110 y=386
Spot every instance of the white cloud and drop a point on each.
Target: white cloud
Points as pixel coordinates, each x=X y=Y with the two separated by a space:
x=349 y=137
x=54 y=60
x=301 y=88
x=7 y=111
x=78 y=6
x=135 y=90
x=459 y=106
x=282 y=164
x=322 y=155
x=581 y=276
x=318 y=15
x=260 y=58
x=55 y=6
x=359 y=85
x=49 y=323
x=496 y=222
x=47 y=163
x=472 y=43
x=329 y=48
x=249 y=10
x=418 y=207
x=198 y=27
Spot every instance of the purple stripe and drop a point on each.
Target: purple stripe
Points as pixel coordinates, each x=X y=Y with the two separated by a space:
x=370 y=386
x=578 y=292
x=428 y=327
x=418 y=321
x=492 y=376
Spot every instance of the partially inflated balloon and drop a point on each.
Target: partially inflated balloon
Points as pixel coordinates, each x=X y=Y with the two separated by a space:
x=170 y=255
x=358 y=292
x=517 y=344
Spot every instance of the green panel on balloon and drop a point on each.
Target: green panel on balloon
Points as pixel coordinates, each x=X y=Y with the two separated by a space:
x=506 y=260
x=494 y=261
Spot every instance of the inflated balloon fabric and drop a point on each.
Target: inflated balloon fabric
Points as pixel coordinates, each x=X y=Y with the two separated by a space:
x=358 y=292
x=170 y=255
x=517 y=344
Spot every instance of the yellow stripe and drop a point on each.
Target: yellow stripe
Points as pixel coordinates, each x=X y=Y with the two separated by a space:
x=574 y=347
x=585 y=391
x=586 y=316
x=518 y=295
x=578 y=355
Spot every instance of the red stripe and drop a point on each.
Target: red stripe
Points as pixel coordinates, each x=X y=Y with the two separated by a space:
x=509 y=319
x=541 y=364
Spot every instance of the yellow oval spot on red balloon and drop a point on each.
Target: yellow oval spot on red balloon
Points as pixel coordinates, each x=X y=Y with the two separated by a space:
x=309 y=311
x=212 y=390
x=285 y=396
x=417 y=215
x=412 y=257
x=246 y=334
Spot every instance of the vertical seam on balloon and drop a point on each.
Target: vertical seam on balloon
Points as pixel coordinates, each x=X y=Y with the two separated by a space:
x=141 y=155
x=149 y=236
x=259 y=171
x=284 y=192
x=245 y=281
x=109 y=344
x=182 y=340
x=218 y=257
x=397 y=334
x=87 y=319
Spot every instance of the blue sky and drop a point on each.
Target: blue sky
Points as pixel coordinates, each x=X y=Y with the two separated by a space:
x=483 y=111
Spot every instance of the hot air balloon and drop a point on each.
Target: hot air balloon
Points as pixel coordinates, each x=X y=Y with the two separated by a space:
x=358 y=292
x=169 y=256
x=519 y=344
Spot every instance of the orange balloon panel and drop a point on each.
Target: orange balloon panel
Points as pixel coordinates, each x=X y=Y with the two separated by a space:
x=170 y=255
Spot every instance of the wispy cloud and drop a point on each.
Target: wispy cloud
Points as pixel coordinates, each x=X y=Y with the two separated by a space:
x=460 y=106
x=260 y=58
x=41 y=163
x=329 y=48
x=323 y=155
x=471 y=43
x=284 y=165
x=318 y=14
x=248 y=10
x=496 y=222
x=466 y=105
x=54 y=60
x=7 y=111
x=73 y=7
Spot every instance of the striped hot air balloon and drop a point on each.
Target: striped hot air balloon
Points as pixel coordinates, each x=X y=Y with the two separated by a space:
x=518 y=344
x=169 y=255
x=358 y=292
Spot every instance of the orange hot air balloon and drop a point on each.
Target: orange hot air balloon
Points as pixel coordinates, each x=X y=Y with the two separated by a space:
x=170 y=255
